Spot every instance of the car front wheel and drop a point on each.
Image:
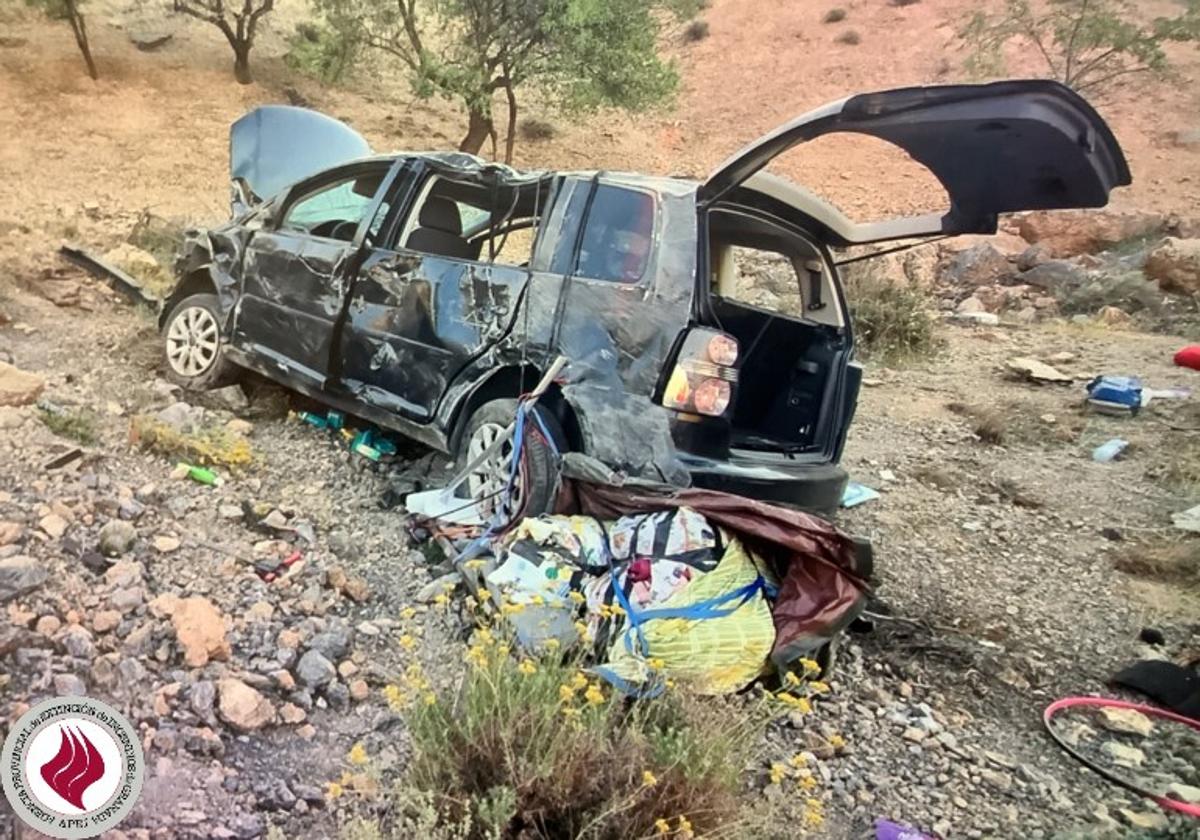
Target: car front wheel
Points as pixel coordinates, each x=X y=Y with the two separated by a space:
x=193 y=345
x=536 y=477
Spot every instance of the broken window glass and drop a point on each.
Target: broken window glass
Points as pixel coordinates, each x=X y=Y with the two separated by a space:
x=617 y=236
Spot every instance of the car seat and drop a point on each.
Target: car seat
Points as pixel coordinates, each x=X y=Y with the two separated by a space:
x=439 y=230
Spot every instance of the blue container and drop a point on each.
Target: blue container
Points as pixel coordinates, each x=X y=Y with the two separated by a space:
x=1115 y=394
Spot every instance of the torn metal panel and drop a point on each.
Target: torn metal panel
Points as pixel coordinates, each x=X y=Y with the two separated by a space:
x=121 y=282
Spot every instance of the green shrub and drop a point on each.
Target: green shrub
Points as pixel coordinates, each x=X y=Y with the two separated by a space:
x=892 y=320
x=836 y=15
x=322 y=52
x=537 y=748
x=79 y=426
x=534 y=130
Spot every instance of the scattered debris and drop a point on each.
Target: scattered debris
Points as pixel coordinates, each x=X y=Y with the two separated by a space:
x=1187 y=520
x=1189 y=357
x=121 y=282
x=1036 y=371
x=1116 y=395
x=857 y=494
x=1125 y=721
x=1110 y=450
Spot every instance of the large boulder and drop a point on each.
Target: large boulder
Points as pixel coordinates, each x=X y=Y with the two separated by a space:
x=1175 y=264
x=18 y=387
x=979 y=265
x=1073 y=232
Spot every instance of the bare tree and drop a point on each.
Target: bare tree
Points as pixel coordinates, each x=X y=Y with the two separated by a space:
x=237 y=22
x=68 y=10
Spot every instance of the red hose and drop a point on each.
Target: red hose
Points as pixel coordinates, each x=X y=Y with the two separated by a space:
x=1150 y=711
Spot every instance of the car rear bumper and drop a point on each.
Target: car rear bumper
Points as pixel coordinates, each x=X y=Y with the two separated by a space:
x=812 y=486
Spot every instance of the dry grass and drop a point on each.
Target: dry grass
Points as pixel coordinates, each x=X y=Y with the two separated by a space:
x=1174 y=561
x=210 y=447
x=536 y=131
x=997 y=425
x=850 y=37
x=835 y=15
x=892 y=321
x=695 y=31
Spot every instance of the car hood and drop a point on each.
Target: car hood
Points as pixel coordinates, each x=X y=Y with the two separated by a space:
x=996 y=148
x=275 y=146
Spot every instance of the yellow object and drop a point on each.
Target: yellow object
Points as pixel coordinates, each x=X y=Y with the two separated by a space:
x=709 y=655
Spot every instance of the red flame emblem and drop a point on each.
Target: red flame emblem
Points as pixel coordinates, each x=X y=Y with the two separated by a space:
x=75 y=768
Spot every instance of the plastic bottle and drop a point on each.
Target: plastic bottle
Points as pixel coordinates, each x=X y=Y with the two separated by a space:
x=201 y=475
x=313 y=419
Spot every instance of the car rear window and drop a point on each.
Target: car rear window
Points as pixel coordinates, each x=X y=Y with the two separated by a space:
x=617 y=237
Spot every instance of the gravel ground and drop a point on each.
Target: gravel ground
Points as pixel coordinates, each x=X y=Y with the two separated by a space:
x=997 y=590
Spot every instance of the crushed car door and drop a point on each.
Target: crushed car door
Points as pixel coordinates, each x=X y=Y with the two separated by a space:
x=423 y=306
x=296 y=270
x=996 y=148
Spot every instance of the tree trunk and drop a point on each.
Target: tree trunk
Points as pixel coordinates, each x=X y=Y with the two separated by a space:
x=511 y=137
x=79 y=27
x=241 y=63
x=479 y=128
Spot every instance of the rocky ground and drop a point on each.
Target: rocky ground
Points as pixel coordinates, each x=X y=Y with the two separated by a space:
x=996 y=537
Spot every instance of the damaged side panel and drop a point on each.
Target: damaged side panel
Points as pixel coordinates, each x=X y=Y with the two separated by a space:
x=415 y=321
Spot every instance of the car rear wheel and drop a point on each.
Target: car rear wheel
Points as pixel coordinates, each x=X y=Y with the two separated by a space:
x=536 y=479
x=193 y=345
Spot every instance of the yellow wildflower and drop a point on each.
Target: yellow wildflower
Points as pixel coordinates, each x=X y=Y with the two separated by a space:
x=798 y=760
x=484 y=595
x=502 y=650
x=570 y=712
x=577 y=597
x=594 y=695
x=617 y=611
x=512 y=609
x=430 y=698
x=333 y=790
x=582 y=630
x=819 y=687
x=808 y=783
x=791 y=679
x=551 y=644
x=778 y=773
x=565 y=693
x=649 y=779
x=662 y=826
x=814 y=804
x=813 y=819
x=357 y=755
x=474 y=564
x=537 y=600
x=579 y=681
x=527 y=667
x=442 y=600
x=407 y=642
x=477 y=656
x=394 y=696
x=837 y=741
x=685 y=827
x=407 y=613
x=669 y=683
x=810 y=666
x=655 y=663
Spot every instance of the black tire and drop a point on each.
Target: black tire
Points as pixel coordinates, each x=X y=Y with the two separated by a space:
x=212 y=371
x=538 y=474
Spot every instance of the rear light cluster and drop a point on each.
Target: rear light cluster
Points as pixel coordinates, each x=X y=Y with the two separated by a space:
x=704 y=374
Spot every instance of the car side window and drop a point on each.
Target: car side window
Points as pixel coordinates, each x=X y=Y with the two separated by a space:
x=617 y=236
x=335 y=210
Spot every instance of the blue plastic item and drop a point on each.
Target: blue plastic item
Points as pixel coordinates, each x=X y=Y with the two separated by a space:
x=1117 y=394
x=1109 y=450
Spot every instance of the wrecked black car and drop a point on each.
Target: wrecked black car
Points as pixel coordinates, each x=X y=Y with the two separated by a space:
x=426 y=292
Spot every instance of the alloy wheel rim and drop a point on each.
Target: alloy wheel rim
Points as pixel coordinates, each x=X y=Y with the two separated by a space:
x=487 y=481
x=193 y=339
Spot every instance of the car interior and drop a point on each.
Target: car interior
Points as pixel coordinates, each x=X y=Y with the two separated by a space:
x=773 y=291
x=479 y=222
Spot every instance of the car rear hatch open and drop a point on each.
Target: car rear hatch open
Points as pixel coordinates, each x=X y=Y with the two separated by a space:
x=996 y=148
x=767 y=277
x=275 y=146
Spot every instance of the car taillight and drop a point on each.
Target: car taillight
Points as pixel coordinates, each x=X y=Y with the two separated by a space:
x=702 y=380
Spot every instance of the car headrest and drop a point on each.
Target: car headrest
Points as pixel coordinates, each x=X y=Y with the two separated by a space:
x=440 y=214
